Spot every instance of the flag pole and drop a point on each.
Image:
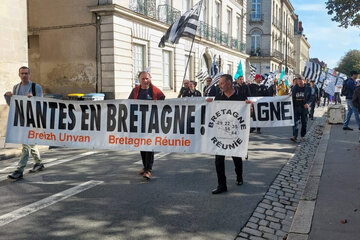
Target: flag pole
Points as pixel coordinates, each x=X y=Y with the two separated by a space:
x=192 y=43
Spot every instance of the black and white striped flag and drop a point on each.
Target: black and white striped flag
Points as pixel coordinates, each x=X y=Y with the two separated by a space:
x=312 y=71
x=202 y=75
x=215 y=80
x=184 y=27
x=252 y=70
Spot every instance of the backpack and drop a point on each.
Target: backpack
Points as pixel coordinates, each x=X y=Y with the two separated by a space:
x=344 y=90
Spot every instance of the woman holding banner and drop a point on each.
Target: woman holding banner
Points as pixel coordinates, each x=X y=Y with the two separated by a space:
x=146 y=91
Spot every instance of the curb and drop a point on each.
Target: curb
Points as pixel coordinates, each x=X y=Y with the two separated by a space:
x=301 y=225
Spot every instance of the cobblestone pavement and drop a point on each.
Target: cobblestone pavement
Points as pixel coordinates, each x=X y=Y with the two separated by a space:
x=273 y=216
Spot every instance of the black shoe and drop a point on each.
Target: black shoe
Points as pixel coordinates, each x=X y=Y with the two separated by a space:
x=252 y=130
x=37 y=167
x=347 y=128
x=219 y=189
x=239 y=181
x=16 y=175
x=293 y=139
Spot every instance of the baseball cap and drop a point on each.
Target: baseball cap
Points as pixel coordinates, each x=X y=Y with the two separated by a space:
x=258 y=76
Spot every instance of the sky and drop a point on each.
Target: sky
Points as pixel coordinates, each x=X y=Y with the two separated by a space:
x=328 y=42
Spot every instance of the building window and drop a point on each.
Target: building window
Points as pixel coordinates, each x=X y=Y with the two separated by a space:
x=229 y=69
x=217 y=15
x=139 y=59
x=204 y=11
x=255 y=41
x=186 y=5
x=229 y=22
x=167 y=79
x=238 y=28
x=256 y=10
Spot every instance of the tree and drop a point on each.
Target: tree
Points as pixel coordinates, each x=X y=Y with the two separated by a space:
x=350 y=62
x=347 y=12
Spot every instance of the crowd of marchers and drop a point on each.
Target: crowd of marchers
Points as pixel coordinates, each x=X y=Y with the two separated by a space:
x=305 y=96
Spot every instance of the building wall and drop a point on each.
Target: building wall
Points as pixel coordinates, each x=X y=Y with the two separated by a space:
x=302 y=52
x=62 y=45
x=13 y=49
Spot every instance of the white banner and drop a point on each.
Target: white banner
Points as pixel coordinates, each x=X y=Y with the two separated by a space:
x=188 y=125
x=272 y=112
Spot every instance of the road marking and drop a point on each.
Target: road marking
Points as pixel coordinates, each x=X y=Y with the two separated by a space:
x=55 y=161
x=157 y=156
x=36 y=206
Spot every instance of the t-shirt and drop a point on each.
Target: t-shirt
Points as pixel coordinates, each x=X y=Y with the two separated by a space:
x=145 y=94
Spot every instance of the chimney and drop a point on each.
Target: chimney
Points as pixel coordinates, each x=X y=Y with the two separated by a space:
x=301 y=29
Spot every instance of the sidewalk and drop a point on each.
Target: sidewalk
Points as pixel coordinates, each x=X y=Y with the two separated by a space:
x=330 y=207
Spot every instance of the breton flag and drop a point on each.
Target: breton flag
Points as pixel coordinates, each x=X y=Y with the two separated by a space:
x=312 y=71
x=214 y=81
x=184 y=27
x=202 y=75
x=252 y=70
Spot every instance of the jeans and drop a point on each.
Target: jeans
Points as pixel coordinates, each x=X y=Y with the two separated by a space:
x=312 y=107
x=300 y=114
x=220 y=169
x=337 y=98
x=25 y=156
x=351 y=109
x=148 y=160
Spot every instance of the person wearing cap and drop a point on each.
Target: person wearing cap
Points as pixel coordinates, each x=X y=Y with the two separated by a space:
x=301 y=100
x=258 y=90
x=350 y=86
x=314 y=92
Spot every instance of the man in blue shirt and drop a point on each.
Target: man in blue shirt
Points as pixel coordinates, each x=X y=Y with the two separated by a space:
x=351 y=85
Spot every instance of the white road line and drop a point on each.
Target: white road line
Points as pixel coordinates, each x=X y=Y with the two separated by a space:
x=36 y=206
x=55 y=161
x=157 y=157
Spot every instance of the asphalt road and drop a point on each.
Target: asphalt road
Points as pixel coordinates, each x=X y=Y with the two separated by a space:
x=99 y=195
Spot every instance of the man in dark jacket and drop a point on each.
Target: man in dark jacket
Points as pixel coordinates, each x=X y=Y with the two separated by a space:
x=258 y=90
x=350 y=86
x=301 y=100
x=314 y=98
x=241 y=86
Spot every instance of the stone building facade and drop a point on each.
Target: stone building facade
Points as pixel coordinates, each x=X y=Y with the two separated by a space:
x=270 y=35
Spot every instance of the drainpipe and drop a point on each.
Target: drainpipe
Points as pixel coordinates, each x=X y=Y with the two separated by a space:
x=98 y=56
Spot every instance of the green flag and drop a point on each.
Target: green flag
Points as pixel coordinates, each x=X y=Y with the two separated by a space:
x=284 y=76
x=239 y=72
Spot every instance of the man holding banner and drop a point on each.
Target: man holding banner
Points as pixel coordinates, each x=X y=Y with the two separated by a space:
x=228 y=93
x=146 y=91
x=29 y=89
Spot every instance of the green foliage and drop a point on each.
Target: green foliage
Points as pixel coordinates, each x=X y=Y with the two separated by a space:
x=351 y=61
x=347 y=12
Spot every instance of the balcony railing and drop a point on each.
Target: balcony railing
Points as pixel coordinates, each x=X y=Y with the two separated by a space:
x=277 y=54
x=215 y=35
x=291 y=61
x=145 y=7
x=167 y=14
x=255 y=17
